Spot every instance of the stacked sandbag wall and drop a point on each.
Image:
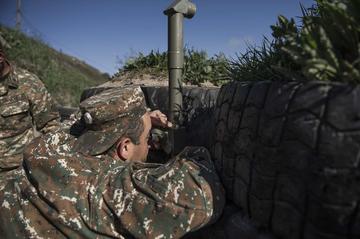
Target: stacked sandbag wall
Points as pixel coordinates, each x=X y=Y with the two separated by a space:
x=288 y=155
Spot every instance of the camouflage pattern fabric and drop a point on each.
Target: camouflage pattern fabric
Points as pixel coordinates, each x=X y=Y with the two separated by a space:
x=25 y=109
x=59 y=193
x=107 y=115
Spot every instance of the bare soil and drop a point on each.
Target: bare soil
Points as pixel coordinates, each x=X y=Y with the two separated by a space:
x=145 y=79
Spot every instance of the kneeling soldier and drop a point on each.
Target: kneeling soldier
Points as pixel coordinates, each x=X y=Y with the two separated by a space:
x=26 y=109
x=97 y=185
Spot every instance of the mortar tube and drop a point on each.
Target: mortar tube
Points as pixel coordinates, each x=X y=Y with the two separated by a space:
x=175 y=66
x=176 y=13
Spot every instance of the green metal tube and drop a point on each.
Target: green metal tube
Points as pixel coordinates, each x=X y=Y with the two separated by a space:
x=175 y=65
x=176 y=13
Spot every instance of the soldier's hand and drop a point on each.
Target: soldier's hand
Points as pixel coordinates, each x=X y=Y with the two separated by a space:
x=159 y=119
x=160 y=140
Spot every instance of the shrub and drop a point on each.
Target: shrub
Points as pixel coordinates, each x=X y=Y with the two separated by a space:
x=198 y=67
x=325 y=47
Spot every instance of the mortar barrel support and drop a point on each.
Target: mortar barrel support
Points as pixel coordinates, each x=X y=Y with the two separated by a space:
x=176 y=13
x=175 y=66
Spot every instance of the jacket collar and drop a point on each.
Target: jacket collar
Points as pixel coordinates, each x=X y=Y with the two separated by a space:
x=9 y=80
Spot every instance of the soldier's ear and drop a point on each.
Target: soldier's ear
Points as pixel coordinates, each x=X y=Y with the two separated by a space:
x=125 y=149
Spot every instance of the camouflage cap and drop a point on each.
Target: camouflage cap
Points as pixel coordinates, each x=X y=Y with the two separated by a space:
x=106 y=116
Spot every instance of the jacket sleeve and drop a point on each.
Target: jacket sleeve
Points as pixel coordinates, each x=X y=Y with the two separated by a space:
x=170 y=200
x=97 y=196
x=42 y=107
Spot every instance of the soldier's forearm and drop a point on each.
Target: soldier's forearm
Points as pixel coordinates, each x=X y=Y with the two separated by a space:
x=50 y=126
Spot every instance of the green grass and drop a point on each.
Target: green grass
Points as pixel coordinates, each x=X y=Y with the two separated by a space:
x=64 y=76
x=198 y=67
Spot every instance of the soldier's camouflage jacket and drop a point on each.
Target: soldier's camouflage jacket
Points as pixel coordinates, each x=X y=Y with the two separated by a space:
x=25 y=109
x=59 y=193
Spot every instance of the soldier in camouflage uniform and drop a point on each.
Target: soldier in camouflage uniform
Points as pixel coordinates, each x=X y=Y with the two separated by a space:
x=96 y=185
x=26 y=109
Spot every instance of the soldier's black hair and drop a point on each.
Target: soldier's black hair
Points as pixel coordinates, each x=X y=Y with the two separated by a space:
x=134 y=130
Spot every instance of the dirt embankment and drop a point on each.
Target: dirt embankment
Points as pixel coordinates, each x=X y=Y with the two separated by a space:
x=146 y=79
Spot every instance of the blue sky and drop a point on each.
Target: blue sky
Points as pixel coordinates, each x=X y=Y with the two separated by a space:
x=104 y=33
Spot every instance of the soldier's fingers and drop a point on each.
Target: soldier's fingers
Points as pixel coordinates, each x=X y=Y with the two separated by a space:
x=169 y=124
x=155 y=113
x=162 y=122
x=163 y=118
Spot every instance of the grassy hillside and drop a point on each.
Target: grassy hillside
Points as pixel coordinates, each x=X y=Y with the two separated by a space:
x=64 y=76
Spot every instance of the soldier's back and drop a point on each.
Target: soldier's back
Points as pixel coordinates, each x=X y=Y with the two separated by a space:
x=25 y=107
